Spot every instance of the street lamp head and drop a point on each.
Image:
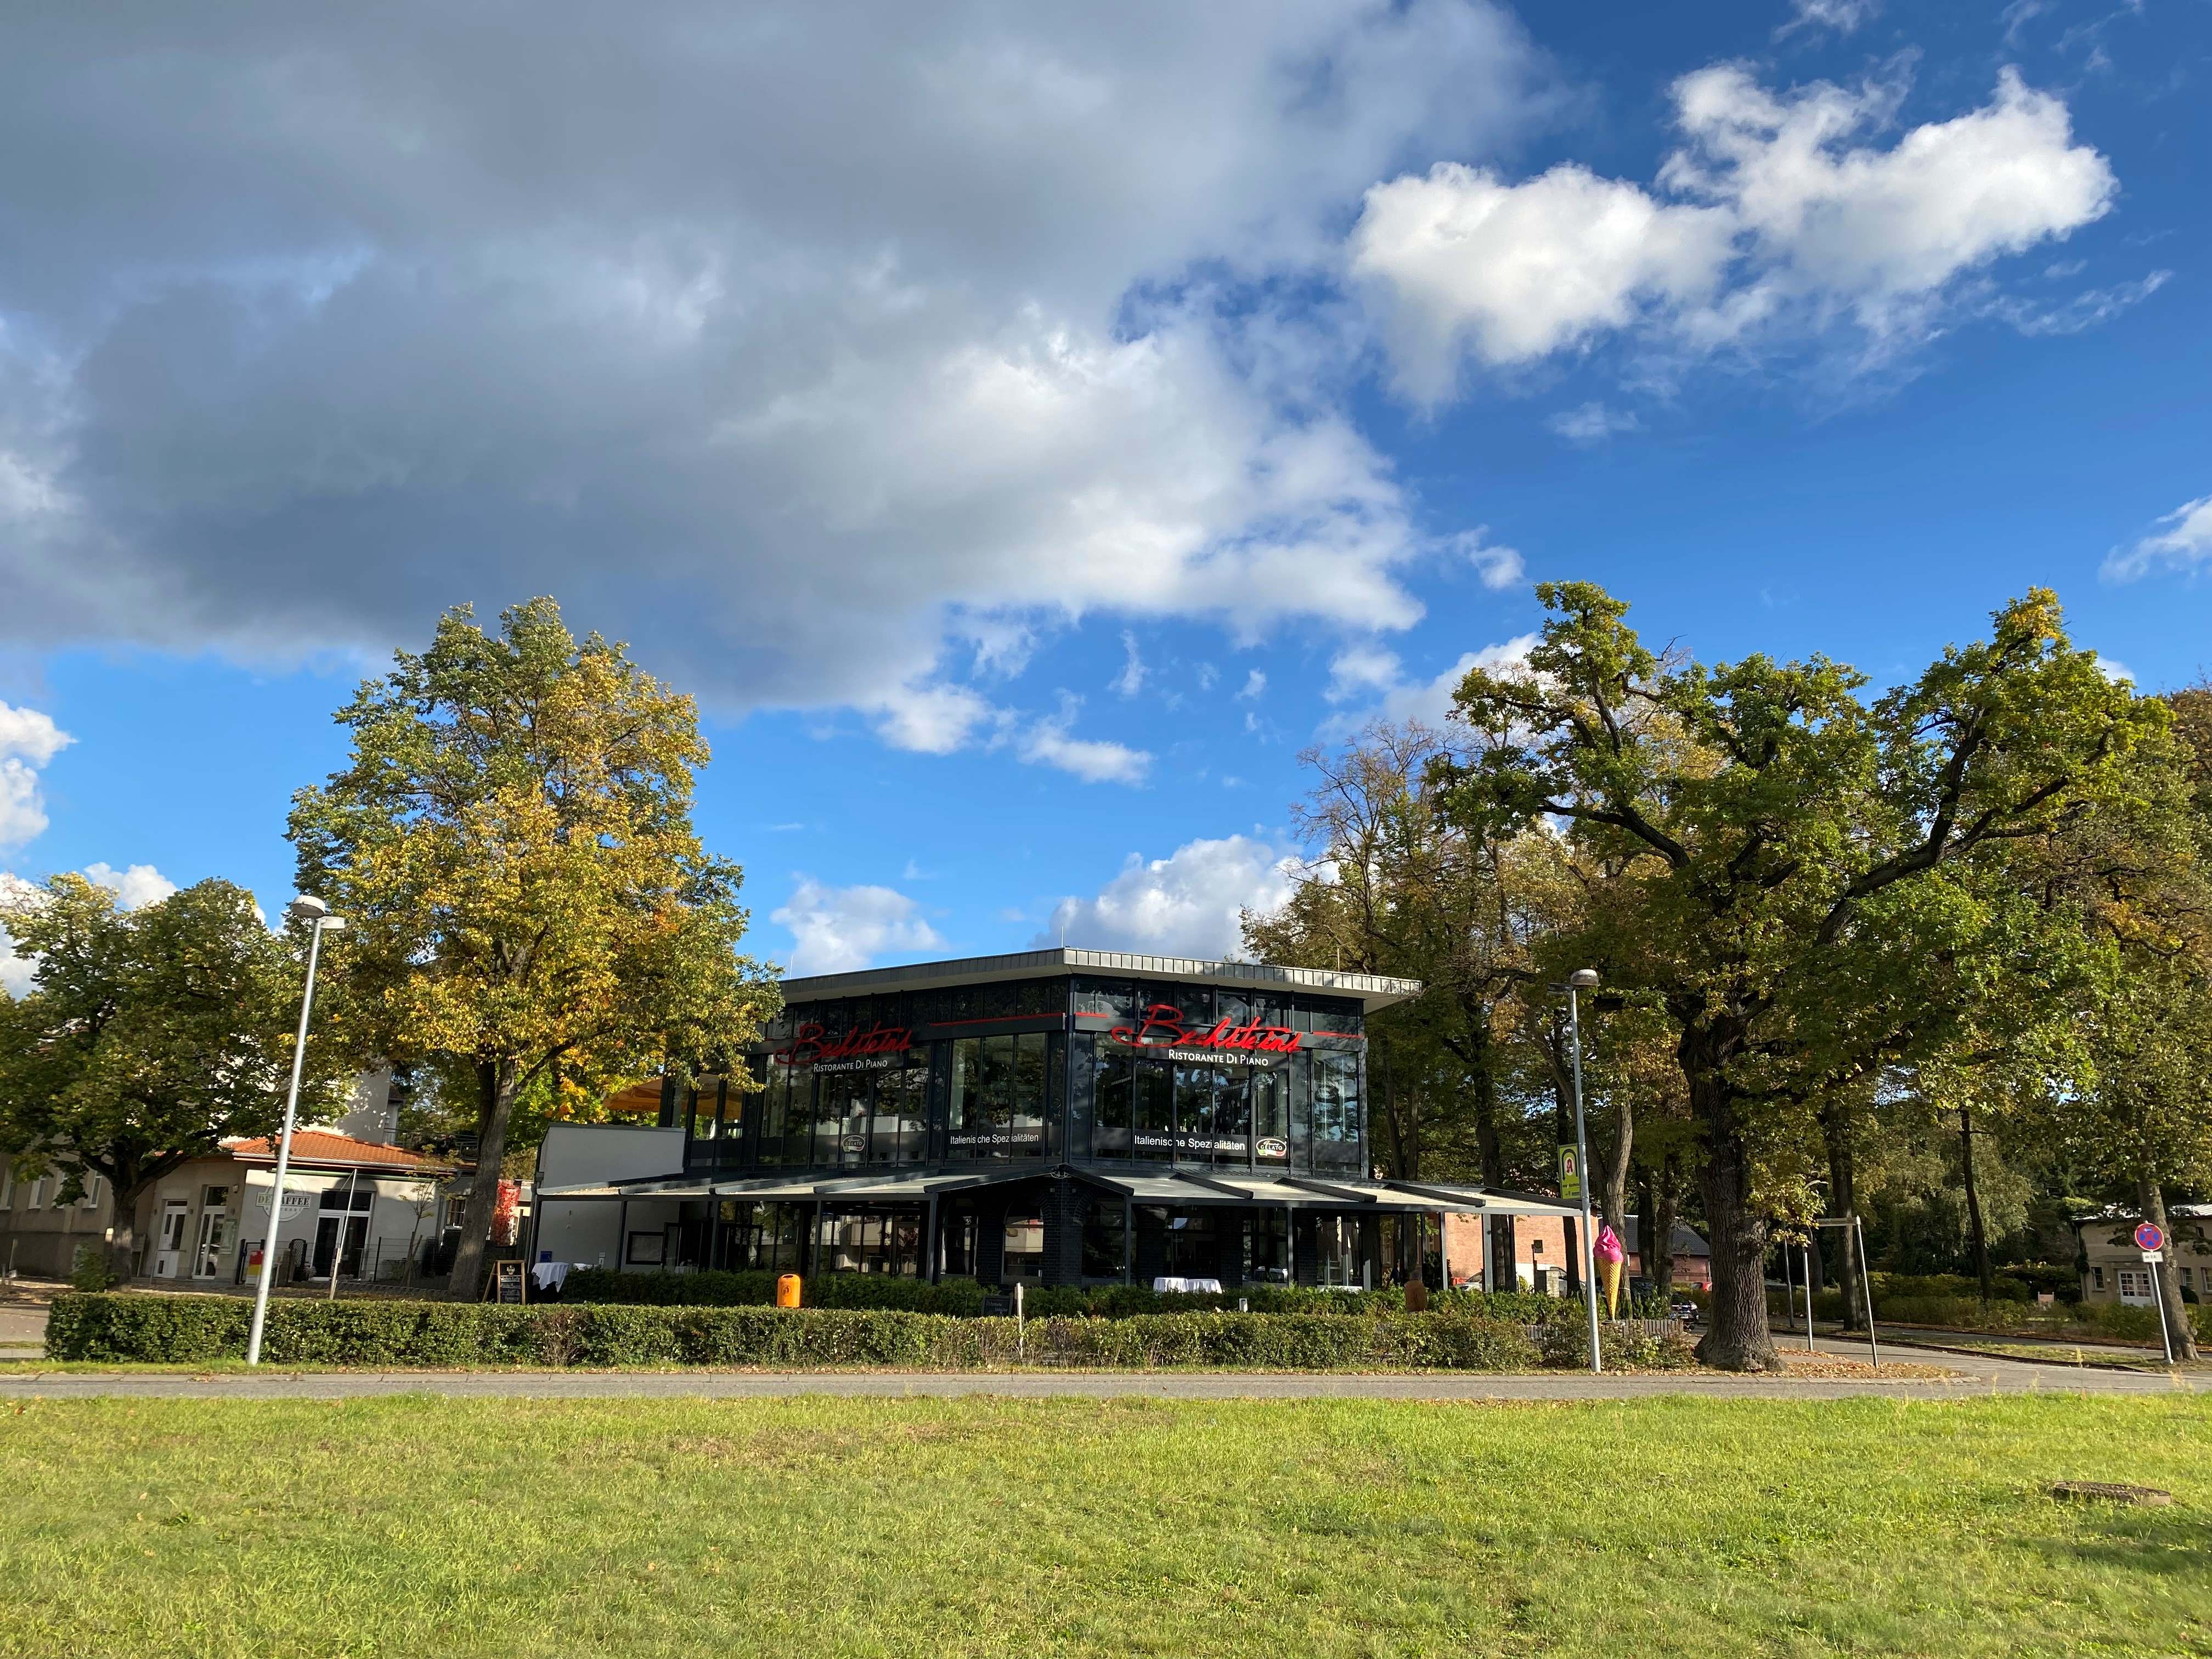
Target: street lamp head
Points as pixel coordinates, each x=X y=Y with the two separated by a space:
x=1583 y=979
x=306 y=907
x=333 y=924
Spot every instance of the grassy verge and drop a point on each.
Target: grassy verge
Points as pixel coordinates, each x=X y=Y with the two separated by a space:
x=419 y=1527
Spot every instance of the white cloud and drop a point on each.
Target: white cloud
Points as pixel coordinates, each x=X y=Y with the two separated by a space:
x=1378 y=682
x=1360 y=671
x=29 y=739
x=1496 y=566
x=15 y=972
x=839 y=929
x=1845 y=16
x=140 y=885
x=429 y=315
x=1254 y=683
x=932 y=719
x=1592 y=422
x=1774 y=221
x=1047 y=742
x=2114 y=670
x=1131 y=679
x=2186 y=543
x=1514 y=272
x=1187 y=904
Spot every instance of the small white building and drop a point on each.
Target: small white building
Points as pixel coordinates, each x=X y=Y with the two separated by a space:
x=366 y=1208
x=2112 y=1267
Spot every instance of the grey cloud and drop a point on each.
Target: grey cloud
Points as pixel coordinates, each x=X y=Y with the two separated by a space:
x=782 y=339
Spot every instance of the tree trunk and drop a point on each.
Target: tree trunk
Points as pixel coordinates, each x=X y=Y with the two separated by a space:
x=1738 y=1337
x=498 y=1083
x=1843 y=1197
x=2165 y=1274
x=1659 y=1247
x=124 y=1238
x=1497 y=1269
x=1614 y=1200
x=1974 y=1206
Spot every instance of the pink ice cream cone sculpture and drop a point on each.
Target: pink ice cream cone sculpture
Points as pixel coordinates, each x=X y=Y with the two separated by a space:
x=1609 y=1256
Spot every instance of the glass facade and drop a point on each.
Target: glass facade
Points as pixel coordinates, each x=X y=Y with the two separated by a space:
x=1051 y=1068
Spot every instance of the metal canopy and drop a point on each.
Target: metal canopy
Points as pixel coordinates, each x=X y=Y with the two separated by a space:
x=1177 y=1189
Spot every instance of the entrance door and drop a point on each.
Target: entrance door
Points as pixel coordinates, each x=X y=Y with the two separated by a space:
x=326 y=1244
x=215 y=1233
x=169 y=1241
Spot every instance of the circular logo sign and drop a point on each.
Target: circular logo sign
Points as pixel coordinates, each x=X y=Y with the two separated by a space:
x=856 y=1143
x=2150 y=1237
x=1270 y=1146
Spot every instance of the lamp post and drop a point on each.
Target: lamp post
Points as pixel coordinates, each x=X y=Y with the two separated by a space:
x=1583 y=979
x=318 y=915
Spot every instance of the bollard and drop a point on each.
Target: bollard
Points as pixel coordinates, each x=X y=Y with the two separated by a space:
x=786 y=1290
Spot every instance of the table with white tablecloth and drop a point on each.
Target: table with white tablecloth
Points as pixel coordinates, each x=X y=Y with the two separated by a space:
x=550 y=1275
x=1203 y=1287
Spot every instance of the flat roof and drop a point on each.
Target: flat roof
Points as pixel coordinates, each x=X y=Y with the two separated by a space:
x=1371 y=991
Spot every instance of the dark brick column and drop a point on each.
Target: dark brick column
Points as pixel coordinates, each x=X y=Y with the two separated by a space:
x=991 y=1242
x=1066 y=1203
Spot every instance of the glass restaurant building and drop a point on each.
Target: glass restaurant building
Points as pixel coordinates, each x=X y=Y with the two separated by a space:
x=1056 y=1117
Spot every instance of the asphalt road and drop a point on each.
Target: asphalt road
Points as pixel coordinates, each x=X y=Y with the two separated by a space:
x=1967 y=1377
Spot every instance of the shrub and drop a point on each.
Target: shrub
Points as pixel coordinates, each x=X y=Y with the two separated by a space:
x=198 y=1329
x=964 y=1296
x=90 y=1269
x=757 y=1288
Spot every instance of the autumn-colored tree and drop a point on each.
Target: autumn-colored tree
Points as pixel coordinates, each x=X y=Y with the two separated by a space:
x=1787 y=849
x=148 y=1036
x=528 y=908
x=1394 y=888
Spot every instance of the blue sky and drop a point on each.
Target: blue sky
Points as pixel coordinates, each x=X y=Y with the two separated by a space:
x=1025 y=433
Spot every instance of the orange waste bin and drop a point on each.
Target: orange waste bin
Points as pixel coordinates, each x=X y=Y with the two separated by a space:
x=786 y=1290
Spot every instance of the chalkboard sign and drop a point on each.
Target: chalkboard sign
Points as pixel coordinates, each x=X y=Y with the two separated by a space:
x=507 y=1282
x=997 y=1307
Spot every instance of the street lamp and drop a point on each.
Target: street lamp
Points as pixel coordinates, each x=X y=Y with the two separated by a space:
x=317 y=915
x=1583 y=979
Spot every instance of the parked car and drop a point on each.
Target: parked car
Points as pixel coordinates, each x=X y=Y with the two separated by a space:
x=1686 y=1312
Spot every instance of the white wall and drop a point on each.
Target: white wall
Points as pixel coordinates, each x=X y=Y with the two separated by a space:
x=587 y=1231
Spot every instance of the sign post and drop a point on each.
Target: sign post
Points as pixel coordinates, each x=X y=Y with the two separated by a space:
x=2150 y=1239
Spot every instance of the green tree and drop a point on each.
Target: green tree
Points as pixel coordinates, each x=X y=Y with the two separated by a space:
x=530 y=911
x=148 y=1036
x=1787 y=849
x=1394 y=889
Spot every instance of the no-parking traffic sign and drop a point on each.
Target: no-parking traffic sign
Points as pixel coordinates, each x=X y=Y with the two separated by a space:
x=2150 y=1237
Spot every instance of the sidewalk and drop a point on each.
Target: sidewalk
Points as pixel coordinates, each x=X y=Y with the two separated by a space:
x=1966 y=1377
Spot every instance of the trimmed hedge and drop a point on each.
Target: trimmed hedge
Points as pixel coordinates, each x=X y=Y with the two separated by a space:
x=757 y=1289
x=197 y=1328
x=964 y=1296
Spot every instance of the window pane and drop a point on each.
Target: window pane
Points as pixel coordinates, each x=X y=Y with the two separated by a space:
x=1194 y=1101
x=969 y=1124
x=1152 y=1126
x=1103 y=1233
x=1112 y=1104
x=833 y=1100
x=995 y=1089
x=1336 y=1111
x=1232 y=1117
x=1270 y=1119
x=1029 y=1090
x=1115 y=998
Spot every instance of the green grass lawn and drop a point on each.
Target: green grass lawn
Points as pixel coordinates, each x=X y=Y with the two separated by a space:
x=425 y=1526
